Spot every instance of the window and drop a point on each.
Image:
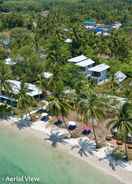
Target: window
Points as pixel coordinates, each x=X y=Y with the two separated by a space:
x=82 y=69
x=96 y=74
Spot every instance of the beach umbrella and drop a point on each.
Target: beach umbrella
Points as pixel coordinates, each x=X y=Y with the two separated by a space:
x=72 y=125
x=86 y=131
x=44 y=117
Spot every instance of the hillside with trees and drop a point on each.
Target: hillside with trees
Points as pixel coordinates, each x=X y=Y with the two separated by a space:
x=36 y=31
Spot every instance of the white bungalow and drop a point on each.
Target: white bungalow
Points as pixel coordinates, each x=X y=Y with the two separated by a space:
x=7 y=100
x=9 y=61
x=102 y=34
x=68 y=40
x=85 y=65
x=116 y=25
x=47 y=75
x=120 y=77
x=83 y=62
x=33 y=90
x=99 y=73
x=90 y=27
x=77 y=59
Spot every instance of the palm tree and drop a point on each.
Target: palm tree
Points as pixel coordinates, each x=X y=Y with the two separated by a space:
x=113 y=84
x=42 y=84
x=58 y=53
x=71 y=95
x=24 y=101
x=123 y=123
x=36 y=33
x=92 y=108
x=55 y=84
x=59 y=106
x=5 y=75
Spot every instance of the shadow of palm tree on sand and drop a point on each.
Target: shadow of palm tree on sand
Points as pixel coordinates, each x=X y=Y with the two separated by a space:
x=113 y=161
x=23 y=123
x=55 y=138
x=85 y=147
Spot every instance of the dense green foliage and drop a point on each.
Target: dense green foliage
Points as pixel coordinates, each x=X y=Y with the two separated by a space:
x=36 y=31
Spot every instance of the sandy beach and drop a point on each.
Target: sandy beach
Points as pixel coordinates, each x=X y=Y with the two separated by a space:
x=123 y=175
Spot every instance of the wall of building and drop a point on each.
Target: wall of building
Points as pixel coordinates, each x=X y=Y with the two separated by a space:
x=102 y=77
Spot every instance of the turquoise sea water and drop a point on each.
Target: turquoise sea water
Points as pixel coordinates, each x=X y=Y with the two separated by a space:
x=25 y=155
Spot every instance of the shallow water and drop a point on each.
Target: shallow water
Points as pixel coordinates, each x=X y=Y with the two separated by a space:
x=25 y=155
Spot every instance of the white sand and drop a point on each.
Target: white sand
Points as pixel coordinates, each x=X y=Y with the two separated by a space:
x=122 y=173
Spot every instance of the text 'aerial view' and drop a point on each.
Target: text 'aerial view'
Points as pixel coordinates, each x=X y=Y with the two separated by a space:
x=65 y=91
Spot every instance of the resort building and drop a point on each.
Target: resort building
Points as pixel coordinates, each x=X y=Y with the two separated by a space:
x=8 y=100
x=68 y=40
x=116 y=25
x=89 y=23
x=32 y=90
x=100 y=29
x=15 y=85
x=44 y=13
x=83 y=62
x=102 y=34
x=85 y=65
x=9 y=61
x=47 y=75
x=119 y=77
x=5 y=42
x=99 y=73
x=77 y=59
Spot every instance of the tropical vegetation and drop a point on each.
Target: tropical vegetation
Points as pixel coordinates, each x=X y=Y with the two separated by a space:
x=33 y=34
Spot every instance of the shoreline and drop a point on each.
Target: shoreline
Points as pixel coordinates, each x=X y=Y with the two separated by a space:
x=122 y=175
x=93 y=161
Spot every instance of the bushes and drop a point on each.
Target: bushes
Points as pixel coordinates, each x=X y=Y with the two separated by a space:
x=5 y=111
x=118 y=154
